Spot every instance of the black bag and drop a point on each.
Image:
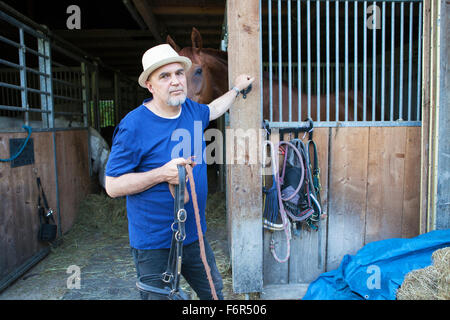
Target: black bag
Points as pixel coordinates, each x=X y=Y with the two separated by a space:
x=47 y=230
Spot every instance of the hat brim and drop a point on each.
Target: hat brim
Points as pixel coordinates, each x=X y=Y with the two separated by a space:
x=185 y=62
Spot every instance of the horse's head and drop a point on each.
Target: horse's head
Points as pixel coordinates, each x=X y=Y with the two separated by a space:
x=208 y=77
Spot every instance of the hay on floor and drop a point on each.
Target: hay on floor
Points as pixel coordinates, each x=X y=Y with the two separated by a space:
x=430 y=283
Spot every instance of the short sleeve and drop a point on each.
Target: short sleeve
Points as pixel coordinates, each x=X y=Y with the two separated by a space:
x=204 y=114
x=125 y=154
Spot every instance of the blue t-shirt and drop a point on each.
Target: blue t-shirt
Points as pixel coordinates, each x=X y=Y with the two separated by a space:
x=144 y=141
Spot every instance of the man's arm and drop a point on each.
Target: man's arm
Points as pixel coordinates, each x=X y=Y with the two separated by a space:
x=219 y=106
x=135 y=182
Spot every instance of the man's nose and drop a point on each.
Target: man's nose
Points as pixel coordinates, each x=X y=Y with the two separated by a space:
x=174 y=79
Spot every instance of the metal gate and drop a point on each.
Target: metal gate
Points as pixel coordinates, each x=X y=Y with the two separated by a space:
x=354 y=68
x=367 y=48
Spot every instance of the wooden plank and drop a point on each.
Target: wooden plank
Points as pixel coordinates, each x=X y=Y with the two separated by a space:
x=411 y=189
x=73 y=173
x=273 y=271
x=19 y=220
x=244 y=188
x=385 y=183
x=292 y=291
x=307 y=260
x=426 y=45
x=347 y=194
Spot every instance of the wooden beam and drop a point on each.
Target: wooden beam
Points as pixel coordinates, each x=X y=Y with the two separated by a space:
x=244 y=189
x=189 y=10
x=147 y=15
x=103 y=33
x=443 y=171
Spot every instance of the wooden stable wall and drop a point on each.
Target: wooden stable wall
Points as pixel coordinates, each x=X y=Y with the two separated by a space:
x=19 y=221
x=371 y=191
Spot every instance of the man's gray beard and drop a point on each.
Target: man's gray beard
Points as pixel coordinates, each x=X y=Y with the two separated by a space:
x=176 y=101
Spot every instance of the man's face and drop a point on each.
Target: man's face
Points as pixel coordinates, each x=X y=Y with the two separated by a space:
x=168 y=84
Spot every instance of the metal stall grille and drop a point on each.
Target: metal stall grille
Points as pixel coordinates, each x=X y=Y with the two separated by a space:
x=342 y=63
x=25 y=79
x=42 y=85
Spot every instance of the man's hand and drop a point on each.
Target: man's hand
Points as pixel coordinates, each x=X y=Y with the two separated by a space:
x=220 y=105
x=243 y=81
x=170 y=169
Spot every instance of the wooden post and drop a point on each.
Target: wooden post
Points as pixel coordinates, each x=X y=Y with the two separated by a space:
x=244 y=188
x=435 y=209
x=442 y=215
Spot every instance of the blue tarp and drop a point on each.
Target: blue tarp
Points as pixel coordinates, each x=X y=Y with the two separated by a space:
x=377 y=270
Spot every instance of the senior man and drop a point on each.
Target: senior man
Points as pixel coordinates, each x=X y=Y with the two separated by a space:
x=142 y=165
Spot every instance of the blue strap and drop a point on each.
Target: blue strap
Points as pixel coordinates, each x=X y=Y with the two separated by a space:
x=28 y=129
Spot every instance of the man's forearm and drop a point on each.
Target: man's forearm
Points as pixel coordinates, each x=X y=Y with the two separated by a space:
x=219 y=106
x=131 y=183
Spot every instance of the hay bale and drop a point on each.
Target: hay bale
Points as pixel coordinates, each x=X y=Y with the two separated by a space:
x=430 y=283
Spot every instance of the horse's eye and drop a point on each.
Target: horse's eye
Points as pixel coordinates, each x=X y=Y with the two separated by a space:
x=198 y=72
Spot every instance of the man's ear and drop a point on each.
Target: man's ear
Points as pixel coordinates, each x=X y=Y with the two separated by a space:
x=149 y=86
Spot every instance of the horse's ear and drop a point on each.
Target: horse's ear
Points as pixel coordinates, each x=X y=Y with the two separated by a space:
x=196 y=38
x=172 y=43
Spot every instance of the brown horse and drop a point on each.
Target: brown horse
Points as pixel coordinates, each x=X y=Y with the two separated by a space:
x=208 y=79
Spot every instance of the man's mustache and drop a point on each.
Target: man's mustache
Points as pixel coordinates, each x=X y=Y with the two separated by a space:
x=176 y=89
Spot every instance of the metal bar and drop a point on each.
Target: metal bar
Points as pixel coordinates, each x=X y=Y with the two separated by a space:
x=419 y=64
x=321 y=124
x=270 y=59
x=318 y=58
x=365 y=63
x=337 y=59
x=374 y=62
x=280 y=84
x=392 y=84
x=20 y=25
x=23 y=74
x=383 y=57
x=11 y=86
x=327 y=6
x=49 y=86
x=10 y=42
x=43 y=82
x=410 y=59
x=69 y=113
x=289 y=60
x=35 y=52
x=400 y=96
x=71 y=84
x=261 y=86
x=12 y=108
x=355 y=63
x=308 y=50
x=67 y=98
x=10 y=64
x=346 y=60
x=299 y=61
x=37 y=91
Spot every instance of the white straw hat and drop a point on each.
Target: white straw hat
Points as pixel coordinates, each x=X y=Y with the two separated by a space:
x=159 y=56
